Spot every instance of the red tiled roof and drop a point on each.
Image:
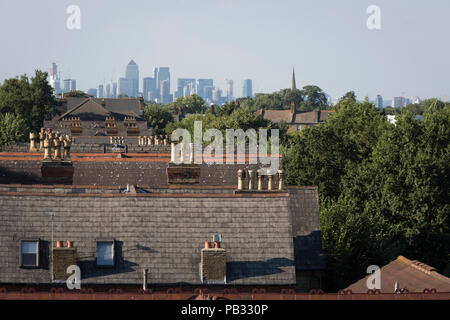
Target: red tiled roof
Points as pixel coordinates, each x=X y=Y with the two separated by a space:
x=411 y=275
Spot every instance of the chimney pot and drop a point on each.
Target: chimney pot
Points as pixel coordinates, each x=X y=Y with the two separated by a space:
x=250 y=179
x=259 y=179
x=69 y=244
x=269 y=183
x=280 y=180
x=207 y=245
x=172 y=152
x=191 y=152
x=59 y=244
x=240 y=179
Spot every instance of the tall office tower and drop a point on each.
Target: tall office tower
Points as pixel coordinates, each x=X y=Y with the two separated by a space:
x=69 y=85
x=107 y=91
x=204 y=93
x=162 y=74
x=230 y=85
x=100 y=93
x=164 y=91
x=125 y=87
x=132 y=73
x=185 y=87
x=54 y=81
x=208 y=92
x=217 y=95
x=398 y=102
x=149 y=90
x=247 y=88
x=113 y=92
x=379 y=102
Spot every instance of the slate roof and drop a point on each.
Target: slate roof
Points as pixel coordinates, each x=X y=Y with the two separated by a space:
x=122 y=105
x=108 y=170
x=276 y=115
x=412 y=275
x=92 y=109
x=163 y=232
x=299 y=117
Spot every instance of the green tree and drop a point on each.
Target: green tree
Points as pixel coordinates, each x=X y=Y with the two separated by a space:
x=192 y=104
x=383 y=188
x=12 y=129
x=349 y=96
x=157 y=117
x=31 y=99
x=314 y=98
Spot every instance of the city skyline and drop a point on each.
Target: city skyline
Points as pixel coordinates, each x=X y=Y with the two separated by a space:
x=151 y=90
x=327 y=43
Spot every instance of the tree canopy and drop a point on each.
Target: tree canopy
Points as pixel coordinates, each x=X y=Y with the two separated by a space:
x=31 y=99
x=157 y=117
x=384 y=188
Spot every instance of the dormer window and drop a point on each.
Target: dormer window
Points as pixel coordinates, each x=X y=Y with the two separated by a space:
x=29 y=253
x=105 y=253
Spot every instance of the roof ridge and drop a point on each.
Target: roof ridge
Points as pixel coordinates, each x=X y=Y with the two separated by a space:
x=81 y=104
x=427 y=269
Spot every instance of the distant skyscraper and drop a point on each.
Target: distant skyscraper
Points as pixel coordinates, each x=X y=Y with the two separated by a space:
x=125 y=87
x=54 y=80
x=150 y=92
x=398 y=102
x=132 y=73
x=100 y=93
x=69 y=85
x=162 y=74
x=202 y=91
x=107 y=91
x=247 y=89
x=216 y=95
x=164 y=91
x=113 y=92
x=379 y=102
x=230 y=85
x=185 y=87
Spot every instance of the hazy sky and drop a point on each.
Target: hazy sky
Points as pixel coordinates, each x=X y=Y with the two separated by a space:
x=327 y=41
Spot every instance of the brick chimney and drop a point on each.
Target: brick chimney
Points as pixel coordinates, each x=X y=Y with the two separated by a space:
x=62 y=258
x=185 y=172
x=213 y=266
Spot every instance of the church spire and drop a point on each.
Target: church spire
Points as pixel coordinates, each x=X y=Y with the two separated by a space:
x=293 y=80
